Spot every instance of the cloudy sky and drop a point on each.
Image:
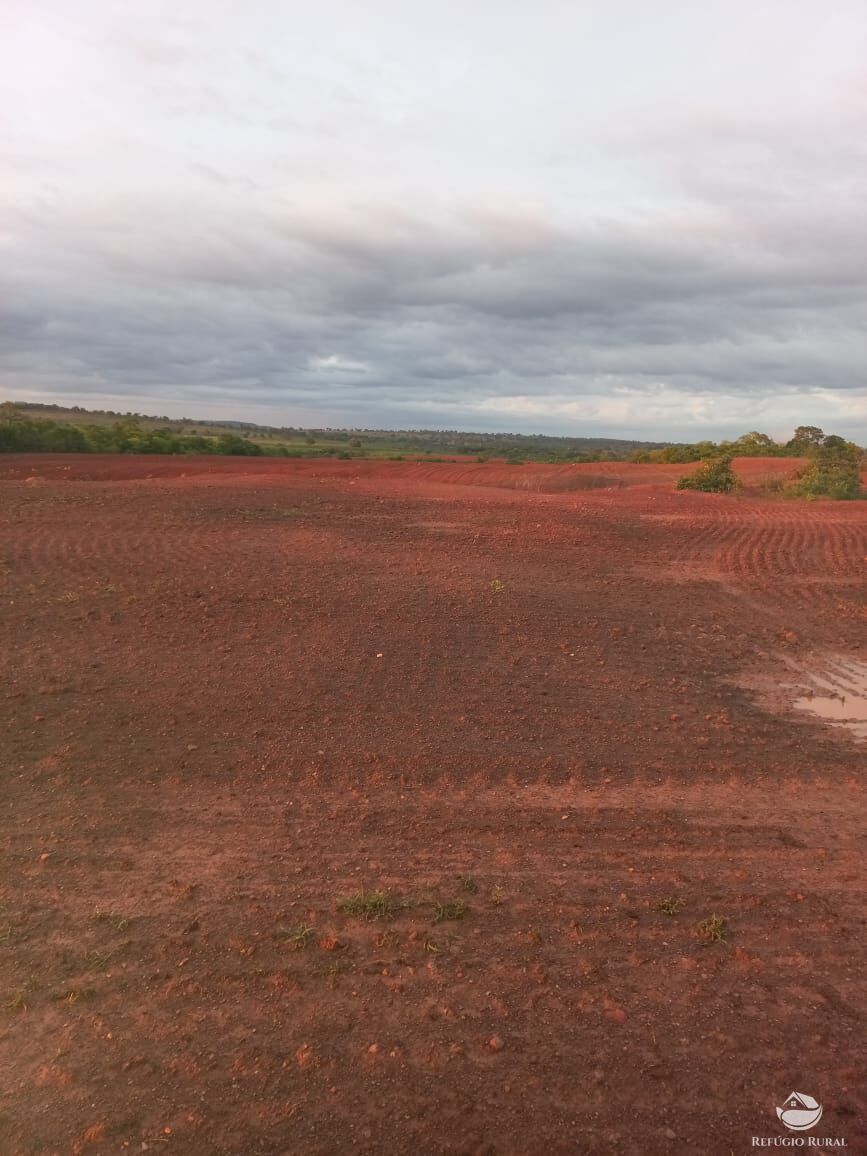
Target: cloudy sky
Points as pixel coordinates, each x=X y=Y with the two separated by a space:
x=630 y=218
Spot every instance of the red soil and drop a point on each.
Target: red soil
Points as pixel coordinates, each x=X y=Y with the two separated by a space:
x=451 y=471
x=237 y=690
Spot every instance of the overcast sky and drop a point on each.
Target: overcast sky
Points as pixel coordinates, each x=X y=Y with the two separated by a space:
x=629 y=218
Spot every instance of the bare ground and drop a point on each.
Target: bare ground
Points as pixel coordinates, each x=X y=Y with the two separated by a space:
x=520 y=701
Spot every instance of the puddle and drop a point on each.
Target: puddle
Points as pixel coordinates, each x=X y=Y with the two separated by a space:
x=838 y=695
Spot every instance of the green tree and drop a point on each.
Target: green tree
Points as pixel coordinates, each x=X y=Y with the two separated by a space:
x=806 y=437
x=833 y=472
x=755 y=444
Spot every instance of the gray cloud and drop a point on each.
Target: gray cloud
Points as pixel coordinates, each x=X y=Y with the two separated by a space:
x=391 y=232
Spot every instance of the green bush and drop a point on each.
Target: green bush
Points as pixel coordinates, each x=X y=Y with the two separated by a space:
x=833 y=472
x=714 y=476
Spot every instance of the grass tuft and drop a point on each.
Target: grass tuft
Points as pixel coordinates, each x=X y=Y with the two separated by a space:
x=454 y=909
x=368 y=905
x=713 y=929
x=118 y=922
x=672 y=905
x=296 y=938
x=16 y=1001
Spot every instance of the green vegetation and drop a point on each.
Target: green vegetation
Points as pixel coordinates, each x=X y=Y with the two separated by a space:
x=806 y=439
x=31 y=427
x=672 y=905
x=713 y=928
x=714 y=476
x=832 y=472
x=368 y=905
x=296 y=938
x=453 y=909
x=40 y=435
x=42 y=428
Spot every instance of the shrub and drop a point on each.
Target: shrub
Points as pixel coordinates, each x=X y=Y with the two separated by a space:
x=714 y=476
x=832 y=472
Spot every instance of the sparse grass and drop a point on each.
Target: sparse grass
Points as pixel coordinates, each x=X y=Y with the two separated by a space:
x=468 y=884
x=75 y=995
x=118 y=922
x=98 y=960
x=369 y=905
x=296 y=938
x=714 y=929
x=453 y=909
x=16 y=1001
x=497 y=586
x=671 y=905
x=497 y=895
x=331 y=973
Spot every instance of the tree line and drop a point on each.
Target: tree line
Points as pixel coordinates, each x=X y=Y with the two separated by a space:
x=20 y=434
x=806 y=440
x=833 y=468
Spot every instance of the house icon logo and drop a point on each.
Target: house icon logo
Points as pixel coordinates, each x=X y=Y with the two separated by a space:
x=800 y=1112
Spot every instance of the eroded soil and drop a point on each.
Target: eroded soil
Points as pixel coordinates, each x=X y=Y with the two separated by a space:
x=521 y=701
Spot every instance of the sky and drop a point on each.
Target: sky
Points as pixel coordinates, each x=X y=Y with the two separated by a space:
x=627 y=219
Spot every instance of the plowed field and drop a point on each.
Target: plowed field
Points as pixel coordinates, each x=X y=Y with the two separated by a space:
x=545 y=711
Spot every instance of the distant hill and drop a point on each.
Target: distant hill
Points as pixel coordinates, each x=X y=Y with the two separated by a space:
x=294 y=441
